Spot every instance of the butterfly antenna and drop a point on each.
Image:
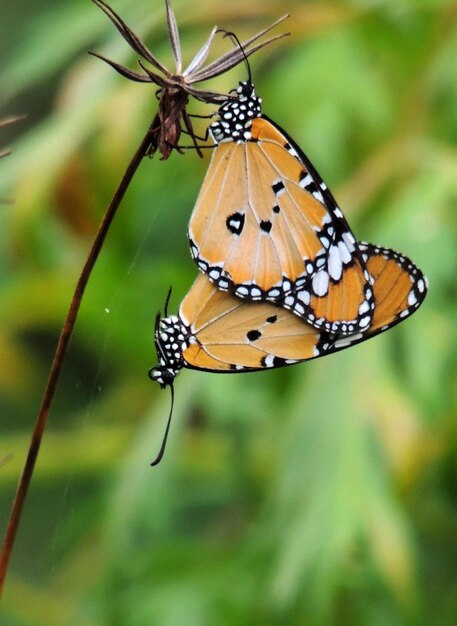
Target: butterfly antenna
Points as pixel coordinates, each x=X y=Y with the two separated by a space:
x=165 y=309
x=234 y=38
x=157 y=324
x=158 y=458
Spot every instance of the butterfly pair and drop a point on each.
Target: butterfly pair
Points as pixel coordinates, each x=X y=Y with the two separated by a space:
x=284 y=279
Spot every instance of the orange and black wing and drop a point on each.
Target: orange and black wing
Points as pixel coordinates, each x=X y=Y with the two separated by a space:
x=399 y=289
x=226 y=334
x=232 y=335
x=266 y=227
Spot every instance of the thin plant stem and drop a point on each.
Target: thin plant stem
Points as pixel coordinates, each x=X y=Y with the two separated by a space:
x=62 y=345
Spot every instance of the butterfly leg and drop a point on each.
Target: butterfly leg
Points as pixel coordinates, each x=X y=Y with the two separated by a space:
x=191 y=133
x=197 y=137
x=190 y=129
x=202 y=117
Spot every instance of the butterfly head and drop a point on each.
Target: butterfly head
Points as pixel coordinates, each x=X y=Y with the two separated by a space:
x=165 y=376
x=236 y=115
x=171 y=338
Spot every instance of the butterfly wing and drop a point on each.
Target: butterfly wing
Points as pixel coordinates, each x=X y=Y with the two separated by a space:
x=232 y=335
x=266 y=227
x=399 y=289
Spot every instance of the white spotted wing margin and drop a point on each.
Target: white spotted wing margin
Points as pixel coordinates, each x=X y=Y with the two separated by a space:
x=399 y=289
x=217 y=332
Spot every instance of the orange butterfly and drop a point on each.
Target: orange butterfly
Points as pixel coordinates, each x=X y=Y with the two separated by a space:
x=266 y=227
x=218 y=332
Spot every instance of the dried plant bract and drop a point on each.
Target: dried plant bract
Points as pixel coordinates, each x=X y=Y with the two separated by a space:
x=176 y=87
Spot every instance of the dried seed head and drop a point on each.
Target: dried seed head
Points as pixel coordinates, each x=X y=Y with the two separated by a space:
x=176 y=87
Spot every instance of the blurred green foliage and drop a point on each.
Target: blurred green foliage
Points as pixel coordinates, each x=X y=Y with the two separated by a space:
x=322 y=494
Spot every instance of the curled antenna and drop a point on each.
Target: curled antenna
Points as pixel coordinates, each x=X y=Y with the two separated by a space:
x=234 y=38
x=158 y=458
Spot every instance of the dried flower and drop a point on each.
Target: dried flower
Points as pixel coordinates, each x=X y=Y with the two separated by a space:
x=176 y=87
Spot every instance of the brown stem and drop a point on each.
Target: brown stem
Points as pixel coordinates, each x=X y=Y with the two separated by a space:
x=60 y=352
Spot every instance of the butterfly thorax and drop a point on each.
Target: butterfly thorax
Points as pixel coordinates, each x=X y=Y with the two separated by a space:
x=172 y=337
x=236 y=115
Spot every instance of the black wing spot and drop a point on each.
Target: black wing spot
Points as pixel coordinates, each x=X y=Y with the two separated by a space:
x=278 y=187
x=272 y=319
x=276 y=208
x=265 y=225
x=309 y=185
x=235 y=223
x=252 y=335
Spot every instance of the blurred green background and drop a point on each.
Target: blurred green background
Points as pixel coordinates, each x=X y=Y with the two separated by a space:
x=321 y=494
